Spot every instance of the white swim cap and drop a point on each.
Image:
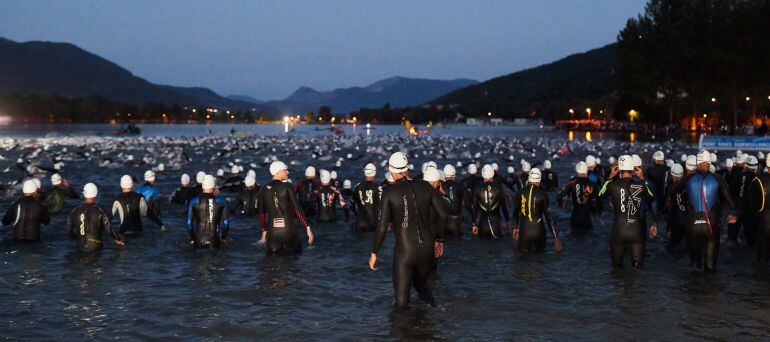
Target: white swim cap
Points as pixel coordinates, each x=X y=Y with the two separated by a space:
x=161 y=167
x=149 y=176
x=185 y=179
x=590 y=161
x=199 y=177
x=658 y=156
x=494 y=166
x=598 y=161
x=547 y=164
x=511 y=169
x=209 y=182
x=251 y=174
x=431 y=175
x=677 y=170
x=472 y=169
x=487 y=172
x=534 y=176
x=346 y=184
x=333 y=174
x=637 y=160
x=703 y=156
x=37 y=182
x=684 y=158
x=29 y=187
x=752 y=162
x=55 y=179
x=235 y=169
x=90 y=190
x=581 y=167
x=126 y=182
x=449 y=171
x=325 y=177
x=220 y=173
x=389 y=177
x=612 y=160
x=741 y=159
x=276 y=167
x=691 y=163
x=310 y=171
x=397 y=163
x=626 y=163
x=526 y=167
x=714 y=157
x=370 y=170
x=249 y=181
x=729 y=162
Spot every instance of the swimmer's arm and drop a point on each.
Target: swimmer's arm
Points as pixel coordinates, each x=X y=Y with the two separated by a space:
x=225 y=218
x=261 y=210
x=190 y=217
x=475 y=206
x=71 y=193
x=549 y=219
x=504 y=200
x=724 y=193
x=297 y=209
x=382 y=226
x=516 y=209
x=105 y=223
x=603 y=192
x=117 y=209
x=10 y=215
x=46 y=216
x=150 y=213
x=68 y=227
x=564 y=192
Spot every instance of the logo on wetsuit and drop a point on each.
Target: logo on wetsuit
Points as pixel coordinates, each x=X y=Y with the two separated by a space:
x=405 y=223
x=634 y=202
x=211 y=210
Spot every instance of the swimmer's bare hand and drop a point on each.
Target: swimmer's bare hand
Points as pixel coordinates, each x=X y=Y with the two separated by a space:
x=516 y=233
x=373 y=262
x=120 y=243
x=438 y=249
x=653 y=231
x=731 y=219
x=310 y=237
x=475 y=230
x=557 y=245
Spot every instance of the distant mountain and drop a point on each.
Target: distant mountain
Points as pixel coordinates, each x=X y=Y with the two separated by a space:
x=245 y=98
x=67 y=70
x=584 y=79
x=396 y=91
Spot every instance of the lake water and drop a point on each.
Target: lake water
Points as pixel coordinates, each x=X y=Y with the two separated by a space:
x=157 y=287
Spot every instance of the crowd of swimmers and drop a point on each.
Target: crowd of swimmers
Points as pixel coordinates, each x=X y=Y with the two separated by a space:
x=692 y=197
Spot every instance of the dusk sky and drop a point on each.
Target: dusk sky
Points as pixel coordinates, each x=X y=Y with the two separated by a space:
x=266 y=49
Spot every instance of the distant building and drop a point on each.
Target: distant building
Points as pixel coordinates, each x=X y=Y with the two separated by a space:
x=496 y=121
x=473 y=122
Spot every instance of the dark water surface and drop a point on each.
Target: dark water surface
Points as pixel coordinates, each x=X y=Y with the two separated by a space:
x=158 y=287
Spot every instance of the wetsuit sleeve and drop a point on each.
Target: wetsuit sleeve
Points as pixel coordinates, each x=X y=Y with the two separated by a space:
x=150 y=213
x=724 y=193
x=68 y=227
x=46 y=215
x=475 y=206
x=261 y=209
x=603 y=193
x=555 y=179
x=564 y=192
x=297 y=209
x=10 y=215
x=340 y=198
x=190 y=217
x=548 y=217
x=225 y=218
x=649 y=193
x=104 y=221
x=382 y=225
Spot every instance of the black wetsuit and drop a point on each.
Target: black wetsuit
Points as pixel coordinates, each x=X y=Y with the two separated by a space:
x=63 y=192
x=407 y=205
x=738 y=182
x=470 y=183
x=594 y=176
x=196 y=191
x=233 y=184
x=582 y=202
x=512 y=182
x=656 y=175
x=454 y=195
x=277 y=209
x=129 y=207
x=307 y=194
x=86 y=224
x=326 y=205
x=676 y=212
x=550 y=180
x=530 y=205
x=247 y=202
x=488 y=200
x=181 y=195
x=746 y=218
x=26 y=215
x=151 y=196
x=704 y=193
x=347 y=196
x=207 y=220
x=759 y=204
x=366 y=205
x=629 y=197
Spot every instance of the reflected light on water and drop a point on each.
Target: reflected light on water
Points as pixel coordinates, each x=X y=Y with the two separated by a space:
x=571 y=135
x=588 y=136
x=4 y=120
x=632 y=137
